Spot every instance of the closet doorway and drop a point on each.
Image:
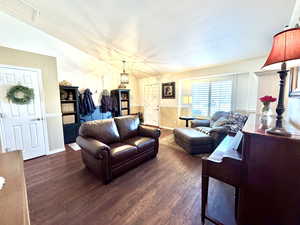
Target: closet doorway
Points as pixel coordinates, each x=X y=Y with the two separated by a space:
x=22 y=127
x=151 y=104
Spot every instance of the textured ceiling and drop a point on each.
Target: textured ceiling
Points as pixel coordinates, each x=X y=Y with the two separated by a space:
x=160 y=36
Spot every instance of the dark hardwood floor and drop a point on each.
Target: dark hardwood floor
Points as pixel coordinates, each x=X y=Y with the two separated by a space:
x=163 y=191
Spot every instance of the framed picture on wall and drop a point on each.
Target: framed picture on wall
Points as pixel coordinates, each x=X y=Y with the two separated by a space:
x=295 y=82
x=168 y=90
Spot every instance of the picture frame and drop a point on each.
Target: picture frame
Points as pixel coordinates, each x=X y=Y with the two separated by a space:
x=168 y=90
x=294 y=82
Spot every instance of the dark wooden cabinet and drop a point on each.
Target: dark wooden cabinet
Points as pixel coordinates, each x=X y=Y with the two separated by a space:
x=270 y=182
x=265 y=172
x=13 y=196
x=122 y=96
x=69 y=99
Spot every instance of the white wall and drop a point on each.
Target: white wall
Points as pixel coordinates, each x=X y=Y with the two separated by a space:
x=72 y=64
x=268 y=84
x=246 y=82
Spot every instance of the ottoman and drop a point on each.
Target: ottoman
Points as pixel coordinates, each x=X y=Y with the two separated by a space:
x=193 y=141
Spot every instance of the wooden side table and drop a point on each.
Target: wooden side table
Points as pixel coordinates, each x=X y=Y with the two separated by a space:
x=187 y=119
x=13 y=195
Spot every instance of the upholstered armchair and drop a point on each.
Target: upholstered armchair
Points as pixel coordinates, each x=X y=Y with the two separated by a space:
x=205 y=135
x=213 y=127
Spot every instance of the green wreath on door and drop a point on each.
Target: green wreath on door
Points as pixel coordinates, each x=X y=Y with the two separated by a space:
x=20 y=95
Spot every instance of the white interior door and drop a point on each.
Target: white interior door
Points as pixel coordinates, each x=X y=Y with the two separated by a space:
x=22 y=126
x=151 y=104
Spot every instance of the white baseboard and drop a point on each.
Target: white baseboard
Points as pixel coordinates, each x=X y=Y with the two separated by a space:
x=56 y=151
x=168 y=128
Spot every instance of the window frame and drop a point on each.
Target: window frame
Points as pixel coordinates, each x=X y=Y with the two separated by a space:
x=210 y=81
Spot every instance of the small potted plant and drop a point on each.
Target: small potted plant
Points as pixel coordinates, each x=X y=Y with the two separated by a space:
x=266 y=101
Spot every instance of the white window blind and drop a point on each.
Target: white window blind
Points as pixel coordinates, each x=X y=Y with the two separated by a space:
x=200 y=99
x=221 y=96
x=209 y=97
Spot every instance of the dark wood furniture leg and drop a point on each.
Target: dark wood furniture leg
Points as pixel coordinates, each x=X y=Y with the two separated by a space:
x=205 y=180
x=237 y=192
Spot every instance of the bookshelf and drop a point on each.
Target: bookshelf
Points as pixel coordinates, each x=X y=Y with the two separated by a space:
x=69 y=101
x=123 y=98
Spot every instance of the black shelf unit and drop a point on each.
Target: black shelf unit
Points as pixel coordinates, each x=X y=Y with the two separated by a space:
x=123 y=98
x=69 y=113
x=69 y=100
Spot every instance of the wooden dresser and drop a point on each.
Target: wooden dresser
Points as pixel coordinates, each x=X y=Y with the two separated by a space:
x=13 y=196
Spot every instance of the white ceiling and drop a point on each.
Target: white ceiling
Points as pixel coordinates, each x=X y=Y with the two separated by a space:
x=160 y=36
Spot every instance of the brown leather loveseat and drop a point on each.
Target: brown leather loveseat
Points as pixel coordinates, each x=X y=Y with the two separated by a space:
x=111 y=147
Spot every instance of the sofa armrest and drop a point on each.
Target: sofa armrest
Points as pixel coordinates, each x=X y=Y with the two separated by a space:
x=200 y=123
x=149 y=131
x=219 y=130
x=93 y=146
x=218 y=134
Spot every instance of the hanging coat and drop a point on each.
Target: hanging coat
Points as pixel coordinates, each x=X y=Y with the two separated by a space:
x=106 y=104
x=87 y=105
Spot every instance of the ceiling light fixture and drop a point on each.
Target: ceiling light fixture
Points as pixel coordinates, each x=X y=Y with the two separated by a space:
x=124 y=77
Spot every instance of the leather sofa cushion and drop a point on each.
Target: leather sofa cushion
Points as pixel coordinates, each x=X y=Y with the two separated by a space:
x=121 y=152
x=102 y=130
x=127 y=126
x=192 y=136
x=142 y=143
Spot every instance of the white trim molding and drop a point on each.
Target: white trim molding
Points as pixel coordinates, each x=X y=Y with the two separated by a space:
x=266 y=72
x=168 y=128
x=54 y=151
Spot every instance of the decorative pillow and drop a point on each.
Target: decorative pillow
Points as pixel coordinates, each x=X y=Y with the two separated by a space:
x=221 y=122
x=237 y=121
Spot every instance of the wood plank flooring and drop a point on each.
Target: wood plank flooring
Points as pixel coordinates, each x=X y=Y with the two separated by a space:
x=163 y=191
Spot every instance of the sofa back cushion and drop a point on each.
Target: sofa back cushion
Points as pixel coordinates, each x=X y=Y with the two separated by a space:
x=127 y=126
x=102 y=130
x=218 y=115
x=221 y=122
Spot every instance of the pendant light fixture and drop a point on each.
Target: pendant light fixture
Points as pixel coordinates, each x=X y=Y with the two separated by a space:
x=124 y=75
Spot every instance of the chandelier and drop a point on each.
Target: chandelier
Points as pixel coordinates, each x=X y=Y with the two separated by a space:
x=124 y=75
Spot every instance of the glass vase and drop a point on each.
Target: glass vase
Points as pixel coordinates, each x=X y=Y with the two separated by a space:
x=266 y=109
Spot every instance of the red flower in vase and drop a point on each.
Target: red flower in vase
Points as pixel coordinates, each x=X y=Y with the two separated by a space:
x=267 y=99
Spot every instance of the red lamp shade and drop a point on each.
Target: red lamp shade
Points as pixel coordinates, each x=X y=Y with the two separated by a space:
x=286 y=48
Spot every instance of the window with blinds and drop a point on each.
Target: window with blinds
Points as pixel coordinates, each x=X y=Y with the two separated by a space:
x=200 y=99
x=209 y=97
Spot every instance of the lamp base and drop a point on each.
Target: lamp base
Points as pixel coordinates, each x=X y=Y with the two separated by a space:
x=280 y=131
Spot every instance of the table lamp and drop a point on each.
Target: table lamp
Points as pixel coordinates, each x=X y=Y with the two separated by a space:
x=285 y=51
